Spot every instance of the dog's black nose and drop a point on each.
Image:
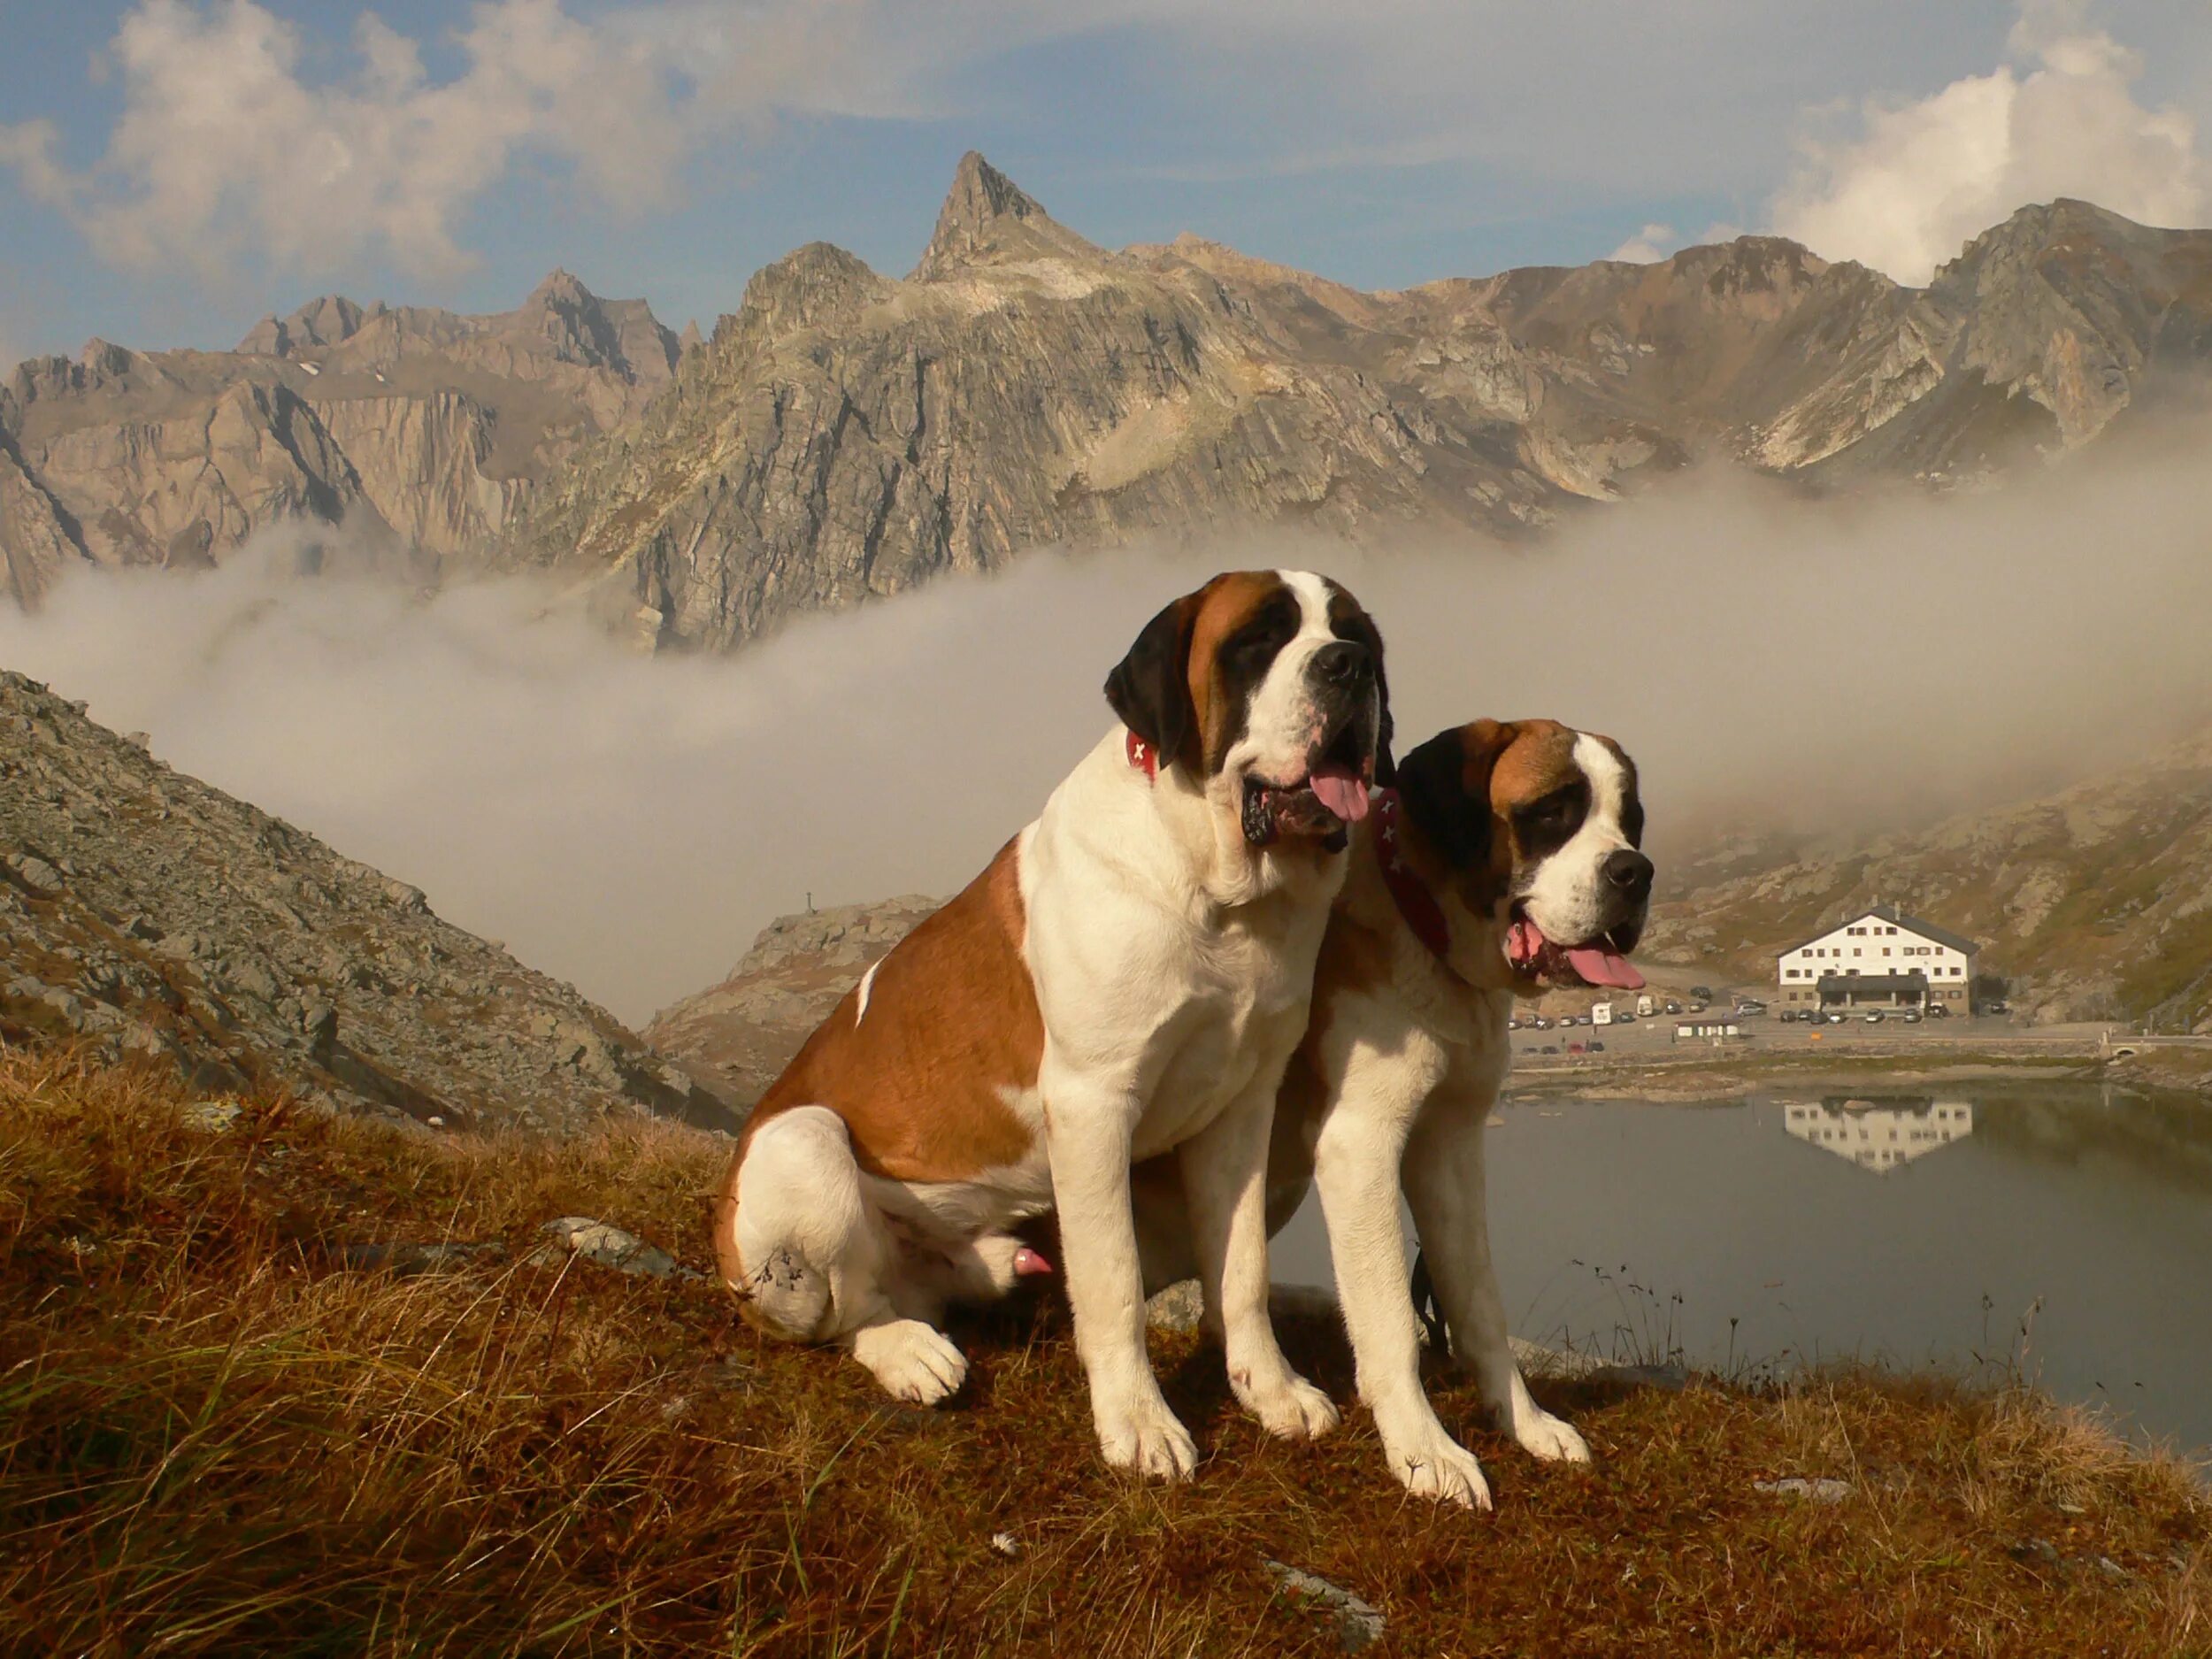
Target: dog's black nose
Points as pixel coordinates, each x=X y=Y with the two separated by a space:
x=1629 y=871
x=1344 y=663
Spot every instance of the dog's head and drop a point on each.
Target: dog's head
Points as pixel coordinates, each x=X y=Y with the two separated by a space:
x=1537 y=827
x=1266 y=688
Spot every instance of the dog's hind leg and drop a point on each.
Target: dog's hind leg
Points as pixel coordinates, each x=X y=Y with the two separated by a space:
x=813 y=1258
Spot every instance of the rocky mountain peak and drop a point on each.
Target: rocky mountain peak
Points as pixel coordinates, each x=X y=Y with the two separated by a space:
x=989 y=219
x=806 y=286
x=327 y=321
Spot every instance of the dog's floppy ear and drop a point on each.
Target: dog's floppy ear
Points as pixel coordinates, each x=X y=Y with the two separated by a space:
x=1386 y=768
x=1149 y=688
x=1445 y=785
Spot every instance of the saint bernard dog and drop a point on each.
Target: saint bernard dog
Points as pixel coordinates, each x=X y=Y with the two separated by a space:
x=1504 y=863
x=1127 y=979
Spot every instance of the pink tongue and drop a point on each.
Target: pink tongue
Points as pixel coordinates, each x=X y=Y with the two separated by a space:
x=1341 y=792
x=1028 y=1262
x=1605 y=967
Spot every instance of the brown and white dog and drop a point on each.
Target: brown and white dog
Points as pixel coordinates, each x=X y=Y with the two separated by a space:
x=1505 y=862
x=1127 y=979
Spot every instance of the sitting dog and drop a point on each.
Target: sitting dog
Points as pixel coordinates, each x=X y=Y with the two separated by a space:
x=1128 y=978
x=1505 y=862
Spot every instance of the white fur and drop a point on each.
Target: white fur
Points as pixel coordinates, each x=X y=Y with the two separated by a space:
x=1567 y=896
x=1174 y=966
x=867 y=984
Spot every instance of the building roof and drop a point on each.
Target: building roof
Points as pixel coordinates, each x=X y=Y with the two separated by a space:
x=1896 y=918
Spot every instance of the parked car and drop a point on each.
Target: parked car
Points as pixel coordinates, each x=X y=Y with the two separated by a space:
x=1835 y=1018
x=1575 y=1048
x=1997 y=1008
x=1624 y=1019
x=1597 y=1047
x=1873 y=1016
x=1936 y=1011
x=1540 y=1023
x=1513 y=1024
x=1674 y=1008
x=1788 y=1017
x=1701 y=994
x=1549 y=1048
x=1911 y=1017
x=1750 y=1005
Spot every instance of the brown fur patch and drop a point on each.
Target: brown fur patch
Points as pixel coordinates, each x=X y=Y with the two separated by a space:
x=1220 y=609
x=952 y=1020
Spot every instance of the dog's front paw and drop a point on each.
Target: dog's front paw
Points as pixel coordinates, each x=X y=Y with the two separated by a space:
x=1143 y=1435
x=1292 y=1410
x=1543 y=1435
x=1430 y=1464
x=911 y=1360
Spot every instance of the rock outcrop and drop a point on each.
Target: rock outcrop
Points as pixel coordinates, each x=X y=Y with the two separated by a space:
x=2092 y=904
x=422 y=431
x=736 y=1036
x=845 y=435
x=153 y=915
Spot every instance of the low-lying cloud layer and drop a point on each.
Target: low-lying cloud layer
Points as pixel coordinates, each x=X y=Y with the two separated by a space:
x=629 y=823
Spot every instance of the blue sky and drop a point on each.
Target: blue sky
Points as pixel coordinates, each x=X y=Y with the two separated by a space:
x=170 y=170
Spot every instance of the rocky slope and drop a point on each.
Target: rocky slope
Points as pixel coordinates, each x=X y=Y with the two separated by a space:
x=2094 y=903
x=422 y=430
x=846 y=434
x=736 y=1036
x=153 y=915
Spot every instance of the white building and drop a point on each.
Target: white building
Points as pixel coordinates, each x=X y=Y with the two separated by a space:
x=1881 y=959
x=1879 y=1136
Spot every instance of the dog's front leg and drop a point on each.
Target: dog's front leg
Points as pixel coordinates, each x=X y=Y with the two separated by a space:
x=1089 y=1121
x=1356 y=1169
x=1225 y=1183
x=1444 y=1185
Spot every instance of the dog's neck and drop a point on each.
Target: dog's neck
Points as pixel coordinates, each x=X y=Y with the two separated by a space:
x=1399 y=888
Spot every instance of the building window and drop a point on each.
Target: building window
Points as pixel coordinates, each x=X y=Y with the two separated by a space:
x=1856 y=951
x=1886 y=951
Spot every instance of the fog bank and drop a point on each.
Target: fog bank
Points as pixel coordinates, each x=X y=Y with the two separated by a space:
x=628 y=823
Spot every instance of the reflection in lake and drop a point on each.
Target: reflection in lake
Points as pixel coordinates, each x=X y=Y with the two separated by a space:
x=1879 y=1134
x=2088 y=1203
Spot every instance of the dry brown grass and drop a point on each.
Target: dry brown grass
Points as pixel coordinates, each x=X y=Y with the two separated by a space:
x=214 y=1437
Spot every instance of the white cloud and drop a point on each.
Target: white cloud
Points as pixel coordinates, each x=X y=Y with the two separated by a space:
x=1648 y=246
x=1919 y=179
x=226 y=142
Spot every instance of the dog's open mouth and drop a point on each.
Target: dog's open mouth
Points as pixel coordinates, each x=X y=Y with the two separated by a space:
x=1323 y=804
x=1600 y=962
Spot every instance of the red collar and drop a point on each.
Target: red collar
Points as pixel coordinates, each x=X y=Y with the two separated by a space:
x=1423 y=915
x=1142 y=757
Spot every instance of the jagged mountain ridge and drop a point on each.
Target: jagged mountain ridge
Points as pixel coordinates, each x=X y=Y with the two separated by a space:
x=2095 y=901
x=845 y=434
x=149 y=915
x=421 y=429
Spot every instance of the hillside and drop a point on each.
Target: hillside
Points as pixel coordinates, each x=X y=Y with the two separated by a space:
x=149 y=916
x=847 y=435
x=310 y=1385
x=738 y=1035
x=2094 y=902
x=422 y=430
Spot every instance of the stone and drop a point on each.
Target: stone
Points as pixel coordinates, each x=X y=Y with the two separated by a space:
x=1358 y=1623
x=609 y=1246
x=1817 y=1489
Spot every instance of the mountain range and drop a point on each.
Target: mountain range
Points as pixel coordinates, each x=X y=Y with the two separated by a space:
x=844 y=434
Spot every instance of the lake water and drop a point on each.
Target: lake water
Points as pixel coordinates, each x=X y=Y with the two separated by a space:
x=1918 y=1230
